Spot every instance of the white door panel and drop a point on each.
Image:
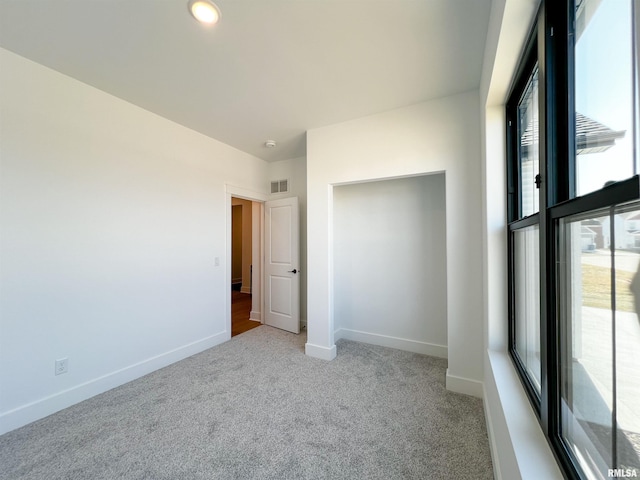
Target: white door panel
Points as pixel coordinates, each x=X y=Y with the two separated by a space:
x=282 y=257
x=281 y=247
x=280 y=298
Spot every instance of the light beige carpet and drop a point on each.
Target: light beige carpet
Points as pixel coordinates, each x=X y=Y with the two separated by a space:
x=257 y=408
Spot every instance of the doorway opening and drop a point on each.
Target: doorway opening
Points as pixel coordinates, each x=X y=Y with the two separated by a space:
x=275 y=294
x=389 y=262
x=245 y=261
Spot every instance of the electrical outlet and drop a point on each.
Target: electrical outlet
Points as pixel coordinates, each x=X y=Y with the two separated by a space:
x=62 y=365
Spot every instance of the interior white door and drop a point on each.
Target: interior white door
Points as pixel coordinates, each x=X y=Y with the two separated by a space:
x=282 y=264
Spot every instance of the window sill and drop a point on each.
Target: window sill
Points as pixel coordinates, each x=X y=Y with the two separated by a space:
x=518 y=446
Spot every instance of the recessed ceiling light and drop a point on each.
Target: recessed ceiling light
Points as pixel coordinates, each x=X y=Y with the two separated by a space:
x=204 y=11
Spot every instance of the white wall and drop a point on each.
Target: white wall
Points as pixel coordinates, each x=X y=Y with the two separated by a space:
x=295 y=170
x=390 y=272
x=437 y=136
x=111 y=219
x=518 y=446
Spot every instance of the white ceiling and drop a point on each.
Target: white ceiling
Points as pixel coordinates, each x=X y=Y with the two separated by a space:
x=271 y=69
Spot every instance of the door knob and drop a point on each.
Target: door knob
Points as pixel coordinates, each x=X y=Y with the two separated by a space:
x=294 y=271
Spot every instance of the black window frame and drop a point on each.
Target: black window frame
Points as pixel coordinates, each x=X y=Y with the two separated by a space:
x=551 y=47
x=515 y=220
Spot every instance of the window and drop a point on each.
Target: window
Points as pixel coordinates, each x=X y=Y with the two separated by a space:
x=524 y=232
x=603 y=93
x=600 y=339
x=574 y=233
x=528 y=141
x=526 y=265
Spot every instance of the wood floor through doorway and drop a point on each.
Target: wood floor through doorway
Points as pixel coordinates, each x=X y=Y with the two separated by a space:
x=240 y=312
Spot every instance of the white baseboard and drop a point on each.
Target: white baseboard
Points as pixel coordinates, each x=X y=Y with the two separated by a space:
x=257 y=316
x=38 y=409
x=245 y=289
x=414 y=346
x=464 y=385
x=323 y=353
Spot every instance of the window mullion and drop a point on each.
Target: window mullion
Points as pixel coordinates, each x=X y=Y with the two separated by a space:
x=546 y=153
x=557 y=168
x=635 y=15
x=614 y=413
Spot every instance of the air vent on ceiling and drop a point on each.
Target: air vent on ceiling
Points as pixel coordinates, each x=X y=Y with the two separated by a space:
x=280 y=186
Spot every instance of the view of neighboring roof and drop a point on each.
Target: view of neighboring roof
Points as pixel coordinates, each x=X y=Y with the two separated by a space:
x=591 y=135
